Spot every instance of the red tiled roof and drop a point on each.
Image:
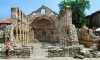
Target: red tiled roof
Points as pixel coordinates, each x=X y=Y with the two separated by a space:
x=8 y=21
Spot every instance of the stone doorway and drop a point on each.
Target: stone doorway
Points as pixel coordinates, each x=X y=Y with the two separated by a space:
x=43 y=29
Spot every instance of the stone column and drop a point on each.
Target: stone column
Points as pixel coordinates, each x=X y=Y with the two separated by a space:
x=28 y=40
x=12 y=35
x=22 y=35
x=61 y=30
x=60 y=40
x=25 y=35
x=65 y=20
x=20 y=20
x=65 y=39
x=19 y=32
x=28 y=33
x=14 y=17
x=65 y=28
x=23 y=18
x=16 y=34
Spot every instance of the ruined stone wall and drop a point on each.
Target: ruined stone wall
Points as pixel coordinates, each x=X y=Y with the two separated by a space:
x=67 y=33
x=45 y=24
x=38 y=13
x=87 y=37
x=20 y=26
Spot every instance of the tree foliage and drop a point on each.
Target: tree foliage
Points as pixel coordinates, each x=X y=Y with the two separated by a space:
x=78 y=10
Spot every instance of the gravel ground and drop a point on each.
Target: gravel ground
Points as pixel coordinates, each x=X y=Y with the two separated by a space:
x=40 y=53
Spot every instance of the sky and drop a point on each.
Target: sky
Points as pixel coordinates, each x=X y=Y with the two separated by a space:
x=28 y=6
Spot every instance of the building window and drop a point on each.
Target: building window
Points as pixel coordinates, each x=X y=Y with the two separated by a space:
x=42 y=11
x=34 y=14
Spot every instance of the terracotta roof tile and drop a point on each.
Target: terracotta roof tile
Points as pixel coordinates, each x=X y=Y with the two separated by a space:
x=8 y=21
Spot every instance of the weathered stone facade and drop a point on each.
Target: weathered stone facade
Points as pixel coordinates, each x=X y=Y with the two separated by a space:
x=19 y=27
x=67 y=33
x=44 y=27
x=43 y=24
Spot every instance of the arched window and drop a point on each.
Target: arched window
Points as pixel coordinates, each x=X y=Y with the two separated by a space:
x=34 y=14
x=51 y=13
x=42 y=11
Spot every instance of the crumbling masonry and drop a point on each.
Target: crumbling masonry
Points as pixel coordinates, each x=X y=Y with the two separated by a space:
x=46 y=27
x=20 y=27
x=67 y=32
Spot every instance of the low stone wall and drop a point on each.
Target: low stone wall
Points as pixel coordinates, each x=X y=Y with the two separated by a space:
x=89 y=43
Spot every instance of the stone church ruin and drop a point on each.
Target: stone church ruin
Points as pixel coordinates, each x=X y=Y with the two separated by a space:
x=43 y=25
x=46 y=26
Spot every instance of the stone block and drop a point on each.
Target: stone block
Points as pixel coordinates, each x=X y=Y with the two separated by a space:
x=78 y=56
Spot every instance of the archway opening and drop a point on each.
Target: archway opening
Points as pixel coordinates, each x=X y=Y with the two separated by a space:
x=43 y=30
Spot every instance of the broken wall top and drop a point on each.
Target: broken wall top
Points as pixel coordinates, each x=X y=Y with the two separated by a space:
x=17 y=14
x=64 y=11
x=47 y=11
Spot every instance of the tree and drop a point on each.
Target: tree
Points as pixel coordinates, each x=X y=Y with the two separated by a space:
x=78 y=10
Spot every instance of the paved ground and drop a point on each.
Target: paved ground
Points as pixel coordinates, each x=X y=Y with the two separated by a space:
x=41 y=54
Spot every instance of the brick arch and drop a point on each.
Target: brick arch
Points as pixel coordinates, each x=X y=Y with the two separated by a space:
x=43 y=28
x=48 y=20
x=41 y=17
